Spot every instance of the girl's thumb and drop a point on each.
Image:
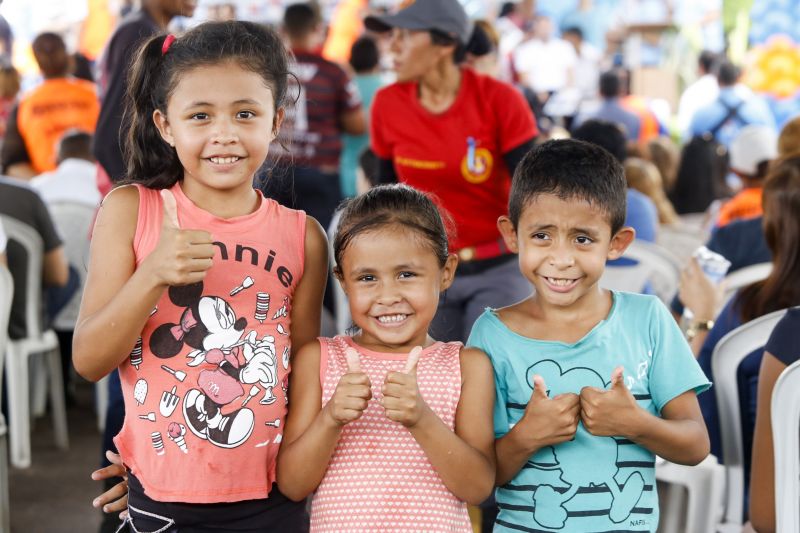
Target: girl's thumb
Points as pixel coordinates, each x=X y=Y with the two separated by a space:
x=353 y=360
x=170 y=219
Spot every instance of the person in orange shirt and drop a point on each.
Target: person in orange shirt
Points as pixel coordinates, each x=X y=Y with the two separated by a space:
x=44 y=114
x=750 y=155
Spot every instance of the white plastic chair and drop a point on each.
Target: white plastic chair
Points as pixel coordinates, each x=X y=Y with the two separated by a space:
x=654 y=264
x=728 y=354
x=342 y=317
x=20 y=352
x=786 y=441
x=681 y=240
x=6 y=294
x=704 y=484
x=744 y=277
x=73 y=221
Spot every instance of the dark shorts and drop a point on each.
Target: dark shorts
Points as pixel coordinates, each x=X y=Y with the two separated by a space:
x=275 y=513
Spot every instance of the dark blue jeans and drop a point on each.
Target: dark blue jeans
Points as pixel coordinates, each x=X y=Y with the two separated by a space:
x=58 y=297
x=115 y=415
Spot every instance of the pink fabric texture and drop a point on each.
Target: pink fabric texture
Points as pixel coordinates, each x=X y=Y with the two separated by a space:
x=379 y=478
x=205 y=388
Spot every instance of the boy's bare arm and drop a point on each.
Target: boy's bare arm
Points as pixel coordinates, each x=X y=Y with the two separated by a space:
x=546 y=421
x=680 y=435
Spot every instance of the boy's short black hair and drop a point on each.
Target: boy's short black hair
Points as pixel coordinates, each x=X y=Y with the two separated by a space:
x=301 y=19
x=606 y=134
x=570 y=169
x=574 y=30
x=75 y=144
x=706 y=60
x=727 y=73
x=610 y=85
x=364 y=54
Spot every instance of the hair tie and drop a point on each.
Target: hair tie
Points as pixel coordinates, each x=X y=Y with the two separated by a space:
x=168 y=40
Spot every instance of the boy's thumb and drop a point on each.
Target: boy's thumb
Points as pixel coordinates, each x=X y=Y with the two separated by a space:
x=413 y=359
x=539 y=387
x=353 y=360
x=170 y=210
x=618 y=377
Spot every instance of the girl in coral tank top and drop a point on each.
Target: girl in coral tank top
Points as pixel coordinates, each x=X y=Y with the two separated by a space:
x=390 y=429
x=199 y=288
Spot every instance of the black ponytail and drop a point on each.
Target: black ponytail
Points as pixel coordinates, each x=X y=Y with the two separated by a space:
x=150 y=160
x=479 y=43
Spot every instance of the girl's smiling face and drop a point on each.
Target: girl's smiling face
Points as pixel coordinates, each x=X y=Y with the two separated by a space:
x=392 y=279
x=220 y=119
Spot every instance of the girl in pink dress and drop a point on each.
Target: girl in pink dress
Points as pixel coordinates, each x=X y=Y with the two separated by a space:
x=199 y=288
x=390 y=429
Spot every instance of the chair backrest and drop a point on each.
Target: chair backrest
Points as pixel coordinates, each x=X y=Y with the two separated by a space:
x=341 y=312
x=680 y=240
x=32 y=243
x=728 y=354
x=73 y=221
x=744 y=277
x=655 y=265
x=6 y=295
x=786 y=440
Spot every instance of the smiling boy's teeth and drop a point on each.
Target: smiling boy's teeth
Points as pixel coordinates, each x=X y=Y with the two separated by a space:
x=559 y=281
x=223 y=160
x=386 y=319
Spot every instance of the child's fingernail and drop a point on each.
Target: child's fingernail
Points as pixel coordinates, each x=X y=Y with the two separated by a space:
x=95 y=503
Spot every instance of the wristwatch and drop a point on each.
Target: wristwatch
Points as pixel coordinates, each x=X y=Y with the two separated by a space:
x=696 y=326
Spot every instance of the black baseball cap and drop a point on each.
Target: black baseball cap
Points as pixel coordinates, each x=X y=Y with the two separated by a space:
x=446 y=16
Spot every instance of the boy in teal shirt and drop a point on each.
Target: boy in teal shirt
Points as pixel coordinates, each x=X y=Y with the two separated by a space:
x=591 y=384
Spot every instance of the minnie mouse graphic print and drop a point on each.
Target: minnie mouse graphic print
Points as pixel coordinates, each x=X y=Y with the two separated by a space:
x=207 y=384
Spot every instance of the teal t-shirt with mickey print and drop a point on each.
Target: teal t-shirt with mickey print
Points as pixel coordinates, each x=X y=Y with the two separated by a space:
x=590 y=483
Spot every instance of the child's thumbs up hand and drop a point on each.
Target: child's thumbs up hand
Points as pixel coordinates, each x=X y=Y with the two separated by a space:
x=413 y=360
x=352 y=394
x=548 y=421
x=182 y=256
x=353 y=361
x=401 y=398
x=170 y=219
x=609 y=412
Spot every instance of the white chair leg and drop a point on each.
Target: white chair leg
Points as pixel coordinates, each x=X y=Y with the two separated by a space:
x=38 y=372
x=5 y=518
x=671 y=508
x=101 y=392
x=18 y=406
x=57 y=403
x=717 y=496
x=692 y=496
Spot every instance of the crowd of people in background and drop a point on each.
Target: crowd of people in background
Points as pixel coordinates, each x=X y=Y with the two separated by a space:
x=451 y=107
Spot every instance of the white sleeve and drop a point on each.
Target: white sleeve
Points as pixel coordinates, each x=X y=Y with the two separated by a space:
x=568 y=53
x=521 y=57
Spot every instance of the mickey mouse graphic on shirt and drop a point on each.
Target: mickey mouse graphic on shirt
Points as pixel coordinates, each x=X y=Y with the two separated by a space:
x=569 y=457
x=210 y=326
